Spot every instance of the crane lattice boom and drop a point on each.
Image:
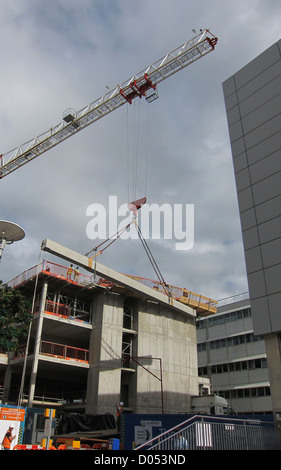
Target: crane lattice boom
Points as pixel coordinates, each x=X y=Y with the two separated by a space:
x=139 y=85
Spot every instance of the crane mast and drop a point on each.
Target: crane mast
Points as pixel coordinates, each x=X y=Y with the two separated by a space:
x=142 y=84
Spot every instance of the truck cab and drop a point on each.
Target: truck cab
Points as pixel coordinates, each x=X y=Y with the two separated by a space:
x=209 y=405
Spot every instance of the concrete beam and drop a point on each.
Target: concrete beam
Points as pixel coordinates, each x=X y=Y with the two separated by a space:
x=114 y=276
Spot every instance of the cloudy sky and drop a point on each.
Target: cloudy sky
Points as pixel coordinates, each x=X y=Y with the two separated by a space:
x=58 y=54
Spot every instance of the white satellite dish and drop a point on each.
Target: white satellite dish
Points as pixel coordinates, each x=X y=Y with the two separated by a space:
x=9 y=233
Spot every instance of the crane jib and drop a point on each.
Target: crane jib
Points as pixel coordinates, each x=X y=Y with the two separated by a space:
x=137 y=86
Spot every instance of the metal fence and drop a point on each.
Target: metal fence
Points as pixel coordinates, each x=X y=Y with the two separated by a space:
x=181 y=294
x=214 y=433
x=64 y=351
x=55 y=270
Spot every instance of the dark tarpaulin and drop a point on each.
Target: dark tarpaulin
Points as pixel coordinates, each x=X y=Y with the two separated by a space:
x=75 y=422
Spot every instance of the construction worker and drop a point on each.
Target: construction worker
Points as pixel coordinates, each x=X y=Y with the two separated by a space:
x=76 y=274
x=69 y=272
x=8 y=438
x=120 y=410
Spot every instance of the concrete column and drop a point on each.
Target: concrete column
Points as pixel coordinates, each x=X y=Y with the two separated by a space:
x=37 y=345
x=171 y=337
x=104 y=376
x=273 y=353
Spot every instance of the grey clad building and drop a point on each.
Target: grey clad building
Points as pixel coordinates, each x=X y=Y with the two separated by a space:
x=233 y=358
x=253 y=105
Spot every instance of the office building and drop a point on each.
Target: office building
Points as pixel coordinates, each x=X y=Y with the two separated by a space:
x=233 y=358
x=253 y=104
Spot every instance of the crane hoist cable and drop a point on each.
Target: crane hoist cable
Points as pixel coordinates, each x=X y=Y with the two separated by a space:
x=112 y=238
x=134 y=207
x=153 y=262
x=137 y=148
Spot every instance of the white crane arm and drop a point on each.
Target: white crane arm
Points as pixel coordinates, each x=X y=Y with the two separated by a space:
x=136 y=86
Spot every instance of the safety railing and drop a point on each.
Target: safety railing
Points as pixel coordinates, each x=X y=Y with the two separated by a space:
x=56 y=308
x=68 y=273
x=64 y=311
x=234 y=298
x=215 y=433
x=52 y=269
x=197 y=301
x=28 y=274
x=203 y=304
x=43 y=399
x=68 y=398
x=64 y=351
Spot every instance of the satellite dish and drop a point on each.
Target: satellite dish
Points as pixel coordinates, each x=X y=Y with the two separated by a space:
x=9 y=233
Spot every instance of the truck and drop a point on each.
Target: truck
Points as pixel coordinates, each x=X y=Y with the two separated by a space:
x=209 y=405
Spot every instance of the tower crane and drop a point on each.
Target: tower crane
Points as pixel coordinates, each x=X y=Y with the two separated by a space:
x=143 y=84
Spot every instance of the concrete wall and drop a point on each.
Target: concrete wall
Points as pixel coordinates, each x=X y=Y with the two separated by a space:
x=104 y=377
x=170 y=336
x=164 y=342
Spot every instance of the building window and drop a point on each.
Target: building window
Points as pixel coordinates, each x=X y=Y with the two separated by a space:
x=201 y=347
x=264 y=362
x=227 y=317
x=247 y=312
x=236 y=366
x=233 y=341
x=202 y=371
x=254 y=392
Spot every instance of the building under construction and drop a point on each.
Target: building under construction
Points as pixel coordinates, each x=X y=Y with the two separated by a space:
x=94 y=342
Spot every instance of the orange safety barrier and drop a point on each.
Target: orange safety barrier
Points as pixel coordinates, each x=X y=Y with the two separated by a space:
x=51 y=269
x=63 y=351
x=201 y=303
x=62 y=447
x=100 y=446
x=28 y=447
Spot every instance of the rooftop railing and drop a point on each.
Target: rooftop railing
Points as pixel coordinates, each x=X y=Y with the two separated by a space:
x=55 y=270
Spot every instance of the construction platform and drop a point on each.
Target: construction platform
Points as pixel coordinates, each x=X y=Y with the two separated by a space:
x=201 y=304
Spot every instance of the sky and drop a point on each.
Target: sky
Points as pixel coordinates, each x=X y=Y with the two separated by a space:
x=61 y=54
